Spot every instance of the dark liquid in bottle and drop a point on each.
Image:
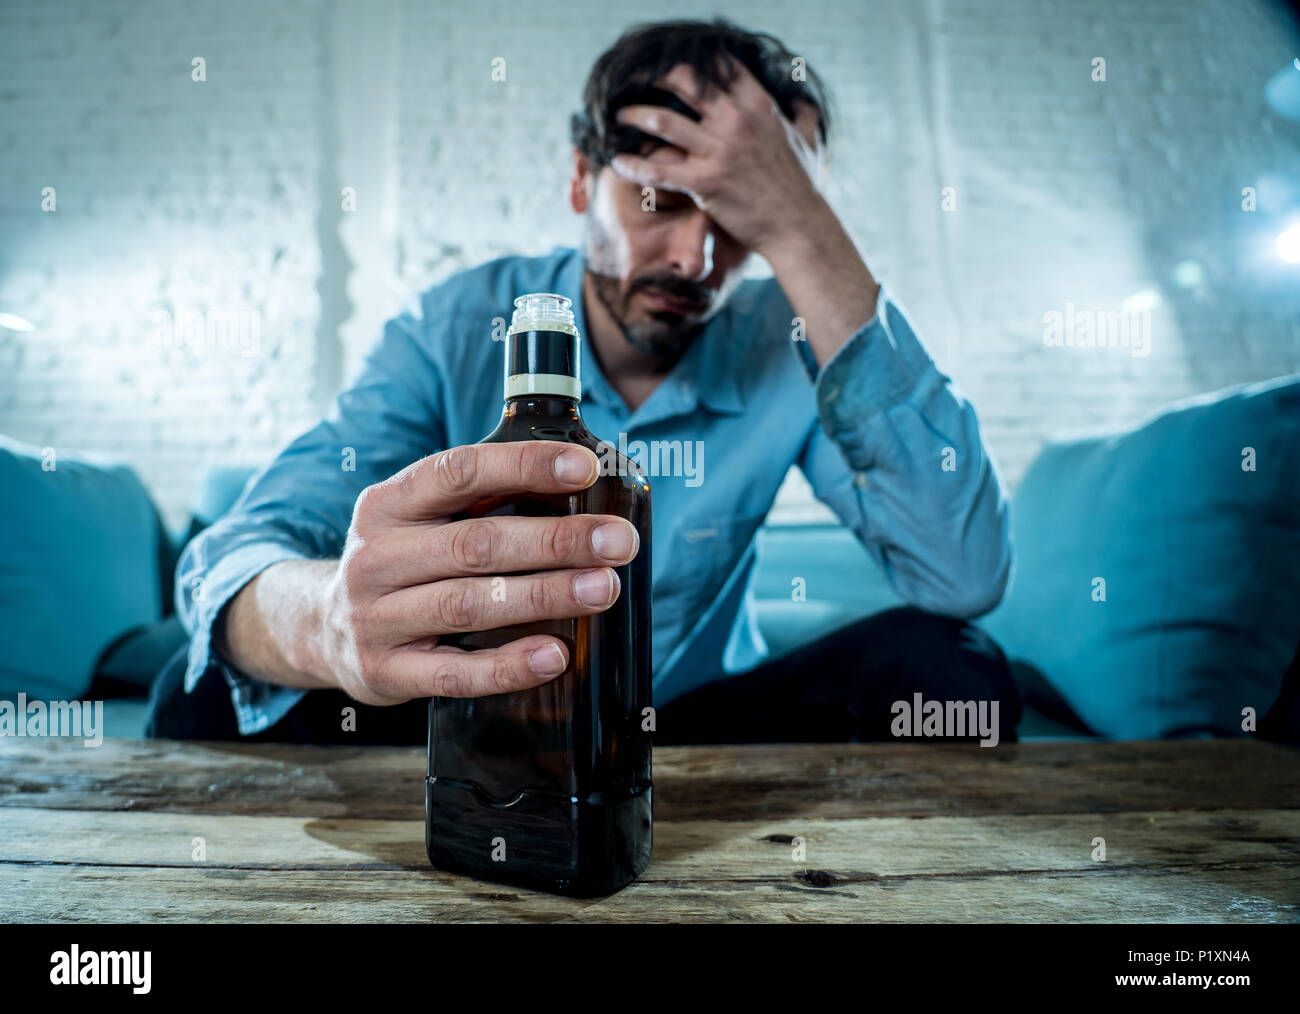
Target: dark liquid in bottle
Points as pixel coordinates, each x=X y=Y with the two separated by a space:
x=550 y=788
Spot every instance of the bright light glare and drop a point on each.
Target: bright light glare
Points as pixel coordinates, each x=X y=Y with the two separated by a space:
x=15 y=323
x=1189 y=274
x=1146 y=299
x=1288 y=244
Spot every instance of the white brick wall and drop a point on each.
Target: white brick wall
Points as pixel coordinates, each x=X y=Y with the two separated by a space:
x=170 y=193
x=224 y=195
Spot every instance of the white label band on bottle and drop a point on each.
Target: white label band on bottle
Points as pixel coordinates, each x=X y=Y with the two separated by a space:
x=543 y=383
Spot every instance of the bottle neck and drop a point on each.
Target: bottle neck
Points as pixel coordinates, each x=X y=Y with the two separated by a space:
x=543 y=409
x=542 y=364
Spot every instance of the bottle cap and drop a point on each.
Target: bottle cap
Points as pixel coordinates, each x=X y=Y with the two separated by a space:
x=543 y=311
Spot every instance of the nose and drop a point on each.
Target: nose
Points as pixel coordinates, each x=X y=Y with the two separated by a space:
x=691 y=246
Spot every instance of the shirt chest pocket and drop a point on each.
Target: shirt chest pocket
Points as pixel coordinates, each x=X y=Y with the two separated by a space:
x=697 y=559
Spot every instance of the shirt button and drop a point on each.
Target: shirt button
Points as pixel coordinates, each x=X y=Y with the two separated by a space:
x=860 y=479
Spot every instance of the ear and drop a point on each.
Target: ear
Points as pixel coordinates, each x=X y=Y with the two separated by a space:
x=579 y=183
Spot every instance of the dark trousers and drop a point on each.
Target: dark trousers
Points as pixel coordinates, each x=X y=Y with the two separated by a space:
x=841 y=688
x=208 y=713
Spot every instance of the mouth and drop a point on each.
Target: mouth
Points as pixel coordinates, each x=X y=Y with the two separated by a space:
x=660 y=300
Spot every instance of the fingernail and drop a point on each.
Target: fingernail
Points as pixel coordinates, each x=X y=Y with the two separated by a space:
x=594 y=588
x=548 y=661
x=614 y=540
x=573 y=466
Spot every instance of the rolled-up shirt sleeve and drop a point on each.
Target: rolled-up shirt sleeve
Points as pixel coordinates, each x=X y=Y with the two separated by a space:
x=899 y=458
x=300 y=506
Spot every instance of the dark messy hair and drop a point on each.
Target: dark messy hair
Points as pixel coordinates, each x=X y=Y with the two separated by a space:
x=645 y=52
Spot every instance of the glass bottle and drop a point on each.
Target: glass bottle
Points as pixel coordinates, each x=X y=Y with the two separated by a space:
x=550 y=787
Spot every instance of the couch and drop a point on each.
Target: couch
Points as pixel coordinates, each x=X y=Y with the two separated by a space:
x=1156 y=591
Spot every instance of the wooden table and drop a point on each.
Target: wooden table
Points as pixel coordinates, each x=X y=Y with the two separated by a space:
x=1205 y=831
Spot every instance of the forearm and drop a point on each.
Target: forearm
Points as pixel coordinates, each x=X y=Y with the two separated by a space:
x=274 y=628
x=826 y=281
x=922 y=492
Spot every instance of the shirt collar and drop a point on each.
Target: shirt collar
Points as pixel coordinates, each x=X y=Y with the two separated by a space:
x=706 y=375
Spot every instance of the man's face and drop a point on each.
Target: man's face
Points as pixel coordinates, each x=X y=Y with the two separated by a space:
x=660 y=266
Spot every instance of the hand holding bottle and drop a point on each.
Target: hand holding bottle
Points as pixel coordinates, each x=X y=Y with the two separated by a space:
x=410 y=574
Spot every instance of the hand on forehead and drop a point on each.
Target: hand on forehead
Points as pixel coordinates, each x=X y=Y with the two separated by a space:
x=744 y=90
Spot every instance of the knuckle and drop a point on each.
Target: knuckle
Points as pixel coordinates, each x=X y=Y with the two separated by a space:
x=452 y=678
x=357 y=579
x=410 y=479
x=454 y=608
x=366 y=508
x=454 y=468
x=528 y=459
x=361 y=559
x=542 y=598
x=500 y=675
x=471 y=545
x=351 y=576
x=564 y=540
x=376 y=678
x=369 y=668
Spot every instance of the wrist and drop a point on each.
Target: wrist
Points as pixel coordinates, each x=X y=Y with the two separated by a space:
x=276 y=629
x=312 y=647
x=806 y=238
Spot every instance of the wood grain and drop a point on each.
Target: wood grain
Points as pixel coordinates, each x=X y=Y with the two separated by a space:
x=1239 y=893
x=1205 y=831
x=691 y=783
x=683 y=850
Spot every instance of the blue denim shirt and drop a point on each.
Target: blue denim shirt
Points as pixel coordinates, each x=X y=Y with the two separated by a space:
x=881 y=435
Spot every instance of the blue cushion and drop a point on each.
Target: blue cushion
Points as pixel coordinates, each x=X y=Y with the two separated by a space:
x=222 y=486
x=79 y=568
x=1200 y=559
x=841 y=584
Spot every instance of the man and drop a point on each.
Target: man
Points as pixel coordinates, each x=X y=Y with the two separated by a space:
x=328 y=588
